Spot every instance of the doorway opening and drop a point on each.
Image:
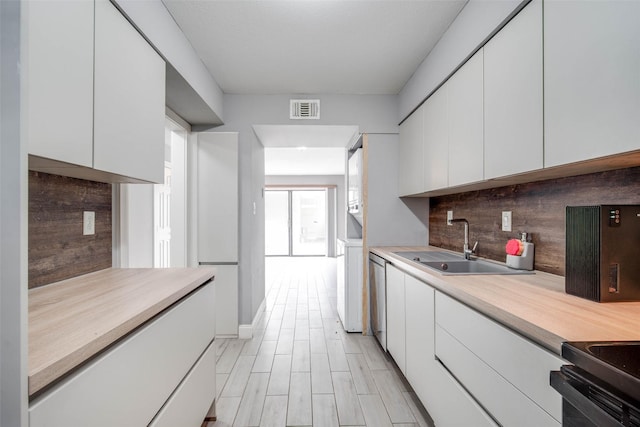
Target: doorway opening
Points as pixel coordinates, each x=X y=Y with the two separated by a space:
x=297 y=222
x=170 y=227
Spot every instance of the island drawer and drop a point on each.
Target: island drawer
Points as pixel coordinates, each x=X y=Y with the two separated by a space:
x=127 y=384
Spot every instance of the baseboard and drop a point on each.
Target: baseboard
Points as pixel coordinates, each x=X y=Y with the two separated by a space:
x=222 y=336
x=245 y=332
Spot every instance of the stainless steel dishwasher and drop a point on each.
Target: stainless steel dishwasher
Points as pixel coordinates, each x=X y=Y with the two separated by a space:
x=378 y=298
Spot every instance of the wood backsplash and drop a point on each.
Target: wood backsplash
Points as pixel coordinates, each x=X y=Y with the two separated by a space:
x=57 y=248
x=538 y=208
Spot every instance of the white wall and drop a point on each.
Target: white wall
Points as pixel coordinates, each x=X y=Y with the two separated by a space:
x=392 y=221
x=13 y=227
x=373 y=113
x=473 y=25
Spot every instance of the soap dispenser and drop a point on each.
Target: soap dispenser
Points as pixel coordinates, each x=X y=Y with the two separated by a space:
x=520 y=253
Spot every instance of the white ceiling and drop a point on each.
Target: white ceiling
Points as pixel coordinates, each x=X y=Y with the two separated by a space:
x=313 y=46
x=324 y=148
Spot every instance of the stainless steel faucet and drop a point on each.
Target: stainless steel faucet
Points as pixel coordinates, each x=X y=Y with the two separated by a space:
x=465 y=249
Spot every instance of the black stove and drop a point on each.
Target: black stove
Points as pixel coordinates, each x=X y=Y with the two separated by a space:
x=602 y=388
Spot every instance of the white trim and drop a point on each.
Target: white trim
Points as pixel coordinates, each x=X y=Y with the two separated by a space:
x=177 y=122
x=226 y=336
x=245 y=332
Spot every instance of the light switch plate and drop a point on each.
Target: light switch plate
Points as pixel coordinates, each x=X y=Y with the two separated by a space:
x=506 y=220
x=88 y=223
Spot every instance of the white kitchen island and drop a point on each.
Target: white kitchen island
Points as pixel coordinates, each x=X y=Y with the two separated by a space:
x=124 y=347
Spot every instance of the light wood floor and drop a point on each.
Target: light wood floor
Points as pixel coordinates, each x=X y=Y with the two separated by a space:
x=302 y=369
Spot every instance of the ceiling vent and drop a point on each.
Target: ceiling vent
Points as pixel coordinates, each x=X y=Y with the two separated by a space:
x=301 y=109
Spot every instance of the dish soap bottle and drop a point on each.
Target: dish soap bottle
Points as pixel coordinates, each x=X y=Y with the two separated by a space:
x=520 y=253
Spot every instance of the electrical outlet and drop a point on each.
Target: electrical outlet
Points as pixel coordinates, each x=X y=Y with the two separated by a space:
x=88 y=223
x=506 y=220
x=449 y=216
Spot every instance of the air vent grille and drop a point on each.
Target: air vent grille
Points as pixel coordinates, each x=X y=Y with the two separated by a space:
x=301 y=109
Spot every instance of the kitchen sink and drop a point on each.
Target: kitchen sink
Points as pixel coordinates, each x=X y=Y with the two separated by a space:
x=450 y=264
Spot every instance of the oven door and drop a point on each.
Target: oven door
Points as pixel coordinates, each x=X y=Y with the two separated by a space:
x=588 y=401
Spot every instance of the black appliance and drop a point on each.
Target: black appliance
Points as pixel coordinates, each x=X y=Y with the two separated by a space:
x=601 y=262
x=378 y=298
x=603 y=388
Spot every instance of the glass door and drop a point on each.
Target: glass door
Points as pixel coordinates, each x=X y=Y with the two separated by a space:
x=296 y=222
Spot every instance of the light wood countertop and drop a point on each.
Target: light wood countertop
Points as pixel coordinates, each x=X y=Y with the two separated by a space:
x=536 y=306
x=72 y=320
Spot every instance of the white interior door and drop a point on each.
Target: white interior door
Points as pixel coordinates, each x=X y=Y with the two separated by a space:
x=162 y=221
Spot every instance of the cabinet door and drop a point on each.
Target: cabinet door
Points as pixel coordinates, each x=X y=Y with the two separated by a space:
x=420 y=356
x=129 y=100
x=436 y=141
x=218 y=197
x=58 y=88
x=396 y=316
x=520 y=374
x=341 y=298
x=452 y=405
x=353 y=303
x=191 y=401
x=591 y=83
x=226 y=307
x=513 y=96
x=466 y=123
x=410 y=167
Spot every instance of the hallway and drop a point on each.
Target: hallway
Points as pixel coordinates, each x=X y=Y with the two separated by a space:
x=301 y=368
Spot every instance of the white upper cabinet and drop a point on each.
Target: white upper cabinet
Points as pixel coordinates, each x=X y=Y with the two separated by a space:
x=217 y=197
x=129 y=99
x=513 y=96
x=58 y=88
x=466 y=122
x=411 y=169
x=592 y=79
x=436 y=143
x=94 y=93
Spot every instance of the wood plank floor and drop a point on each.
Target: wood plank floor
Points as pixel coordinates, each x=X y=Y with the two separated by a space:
x=302 y=369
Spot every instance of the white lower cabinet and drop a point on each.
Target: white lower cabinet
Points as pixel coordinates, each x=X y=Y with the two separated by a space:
x=446 y=401
x=193 y=397
x=128 y=384
x=226 y=306
x=396 y=338
x=507 y=374
x=466 y=369
x=419 y=298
